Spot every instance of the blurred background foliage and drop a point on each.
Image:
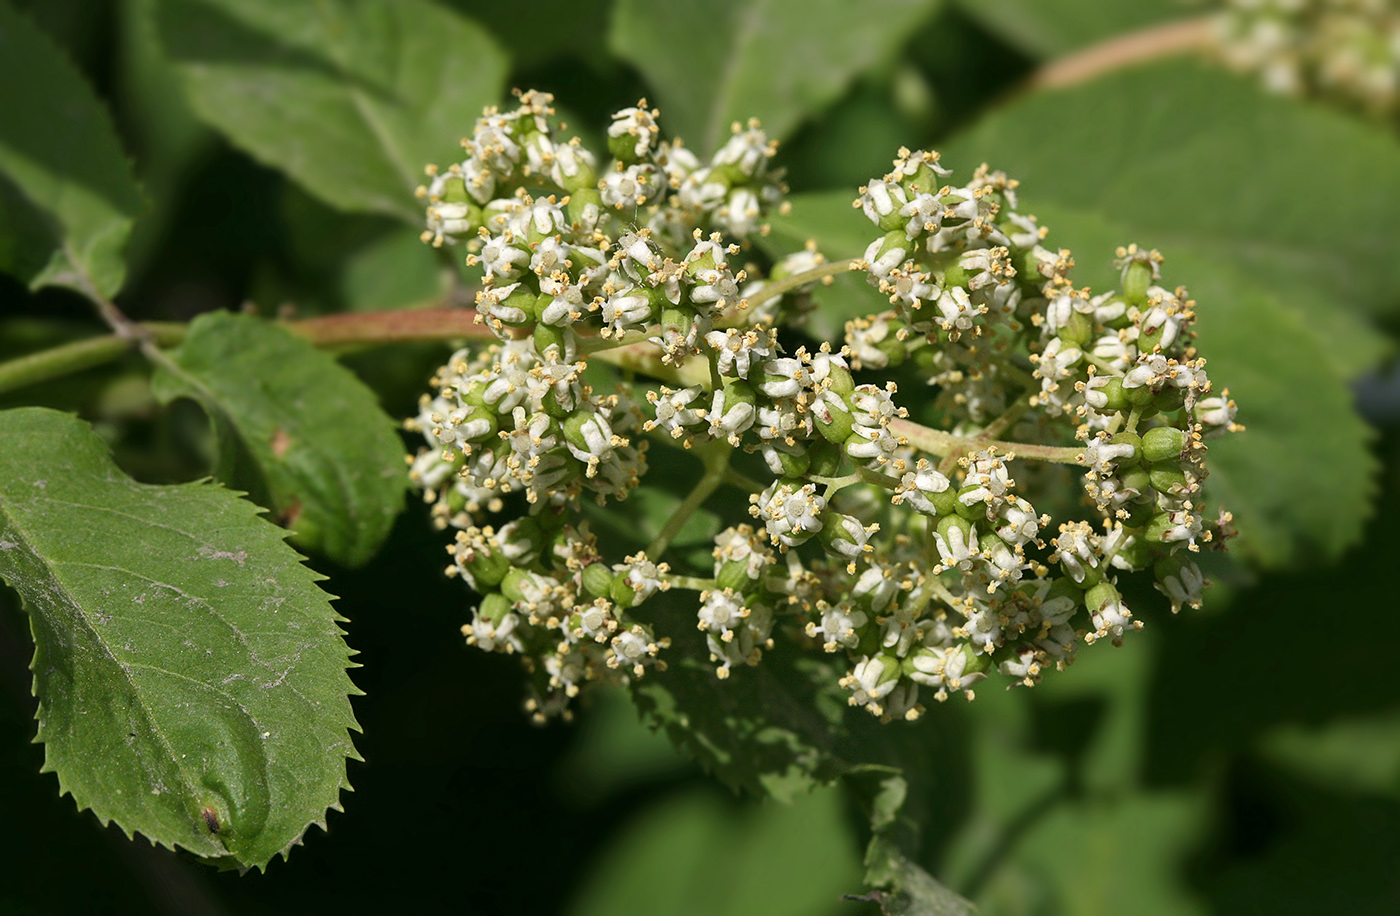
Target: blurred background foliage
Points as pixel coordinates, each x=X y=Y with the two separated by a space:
x=1241 y=759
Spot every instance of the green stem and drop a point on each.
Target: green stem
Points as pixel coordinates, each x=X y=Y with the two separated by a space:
x=1004 y=422
x=362 y=329
x=716 y=459
x=66 y=360
x=787 y=284
x=691 y=583
x=937 y=442
x=743 y=481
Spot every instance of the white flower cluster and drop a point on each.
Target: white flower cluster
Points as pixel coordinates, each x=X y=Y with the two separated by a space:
x=1347 y=50
x=891 y=533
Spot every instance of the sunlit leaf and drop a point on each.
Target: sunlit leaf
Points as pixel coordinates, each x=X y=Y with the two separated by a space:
x=191 y=676
x=781 y=61
x=351 y=99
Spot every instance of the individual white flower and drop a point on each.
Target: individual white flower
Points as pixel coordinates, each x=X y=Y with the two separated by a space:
x=958 y=311
x=872 y=678
x=492 y=303
x=633 y=649
x=917 y=487
x=722 y=611
x=626 y=310
x=642 y=576
x=1019 y=523
x=783 y=377
x=731 y=412
x=736 y=350
x=1111 y=620
x=500 y=636
x=738 y=216
x=1102 y=455
x=673 y=410
x=875 y=588
x=882 y=202
x=1183 y=586
x=1216 y=415
x=747 y=150
x=839 y=625
x=638 y=125
x=956 y=546
x=629 y=187
x=791 y=515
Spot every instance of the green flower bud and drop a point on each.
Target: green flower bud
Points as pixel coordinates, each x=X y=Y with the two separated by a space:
x=1100 y=595
x=833 y=423
x=512 y=584
x=734 y=574
x=1136 y=281
x=548 y=335
x=487 y=568
x=794 y=465
x=622 y=594
x=1116 y=394
x=1129 y=438
x=949 y=523
x=598 y=580
x=1171 y=481
x=1168 y=400
x=839 y=381
x=1138 y=396
x=976 y=511
x=1138 y=479
x=1136 y=553
x=1158 y=526
x=1163 y=443
x=954 y=274
x=825 y=459
x=493 y=608
x=583 y=197
x=1078 y=331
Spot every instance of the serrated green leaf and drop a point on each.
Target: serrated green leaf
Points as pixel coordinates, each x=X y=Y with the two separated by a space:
x=191 y=676
x=1298 y=197
x=296 y=428
x=70 y=199
x=351 y=99
x=1047 y=29
x=781 y=61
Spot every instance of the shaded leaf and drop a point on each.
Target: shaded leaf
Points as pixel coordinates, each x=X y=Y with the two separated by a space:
x=191 y=676
x=688 y=854
x=781 y=61
x=1110 y=855
x=351 y=99
x=765 y=729
x=68 y=203
x=296 y=428
x=1238 y=654
x=910 y=890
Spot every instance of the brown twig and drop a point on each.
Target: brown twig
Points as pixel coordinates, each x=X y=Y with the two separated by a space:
x=1121 y=51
